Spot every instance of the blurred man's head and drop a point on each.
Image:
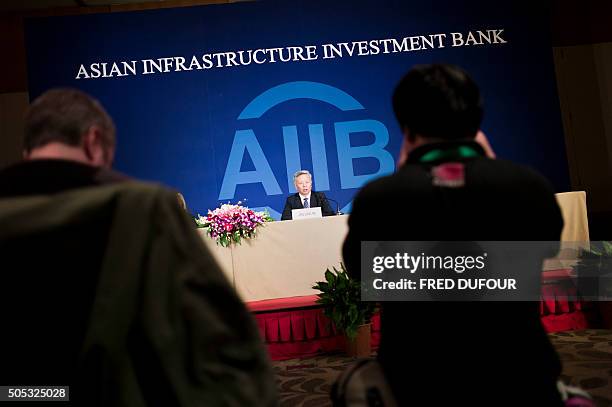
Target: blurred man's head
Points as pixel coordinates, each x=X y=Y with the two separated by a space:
x=437 y=103
x=69 y=124
x=303 y=182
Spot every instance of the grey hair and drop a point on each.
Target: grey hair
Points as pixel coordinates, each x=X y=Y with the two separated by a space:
x=301 y=172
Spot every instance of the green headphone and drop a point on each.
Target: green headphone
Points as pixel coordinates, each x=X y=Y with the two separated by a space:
x=453 y=153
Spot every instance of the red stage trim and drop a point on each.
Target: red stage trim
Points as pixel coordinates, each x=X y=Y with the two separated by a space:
x=295 y=327
x=560 y=308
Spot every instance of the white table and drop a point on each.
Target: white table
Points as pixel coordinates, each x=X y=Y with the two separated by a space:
x=286 y=258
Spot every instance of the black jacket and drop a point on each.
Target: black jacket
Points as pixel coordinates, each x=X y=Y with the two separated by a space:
x=316 y=199
x=427 y=346
x=50 y=176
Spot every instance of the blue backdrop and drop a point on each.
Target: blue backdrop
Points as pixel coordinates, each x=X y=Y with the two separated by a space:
x=225 y=134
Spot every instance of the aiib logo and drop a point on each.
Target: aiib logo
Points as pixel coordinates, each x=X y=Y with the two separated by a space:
x=245 y=141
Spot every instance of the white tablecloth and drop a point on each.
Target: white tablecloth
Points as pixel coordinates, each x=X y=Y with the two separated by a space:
x=287 y=258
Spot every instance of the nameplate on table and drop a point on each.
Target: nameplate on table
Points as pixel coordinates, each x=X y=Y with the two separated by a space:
x=306 y=213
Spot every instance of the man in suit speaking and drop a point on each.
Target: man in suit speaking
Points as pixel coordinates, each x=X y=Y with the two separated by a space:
x=305 y=197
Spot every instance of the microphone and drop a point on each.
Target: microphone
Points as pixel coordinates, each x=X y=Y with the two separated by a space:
x=337 y=206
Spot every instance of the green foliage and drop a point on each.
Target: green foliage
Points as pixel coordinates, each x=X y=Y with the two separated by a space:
x=601 y=249
x=594 y=271
x=341 y=299
x=599 y=252
x=267 y=217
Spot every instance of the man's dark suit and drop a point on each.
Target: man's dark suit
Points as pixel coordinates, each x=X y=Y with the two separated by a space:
x=316 y=199
x=429 y=347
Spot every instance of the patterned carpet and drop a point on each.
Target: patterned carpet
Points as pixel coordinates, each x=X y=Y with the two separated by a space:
x=586 y=357
x=587 y=361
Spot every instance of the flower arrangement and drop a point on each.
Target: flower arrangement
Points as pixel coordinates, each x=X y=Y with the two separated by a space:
x=230 y=223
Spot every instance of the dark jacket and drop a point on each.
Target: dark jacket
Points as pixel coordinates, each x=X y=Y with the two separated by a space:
x=316 y=199
x=36 y=177
x=429 y=346
x=113 y=293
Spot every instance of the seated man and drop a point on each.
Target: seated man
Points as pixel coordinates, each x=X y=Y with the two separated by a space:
x=305 y=197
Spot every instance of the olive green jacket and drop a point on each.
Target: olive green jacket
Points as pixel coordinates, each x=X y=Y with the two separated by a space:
x=165 y=326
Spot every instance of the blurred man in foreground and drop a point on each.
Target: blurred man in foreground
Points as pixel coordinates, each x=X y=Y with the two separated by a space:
x=106 y=286
x=447 y=189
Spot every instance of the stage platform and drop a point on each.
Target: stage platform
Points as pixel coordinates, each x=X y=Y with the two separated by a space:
x=295 y=327
x=274 y=274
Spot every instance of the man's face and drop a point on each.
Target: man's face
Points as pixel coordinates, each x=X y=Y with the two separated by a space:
x=303 y=184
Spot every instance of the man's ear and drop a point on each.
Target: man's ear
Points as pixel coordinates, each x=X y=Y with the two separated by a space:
x=94 y=148
x=409 y=135
x=406 y=148
x=481 y=139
